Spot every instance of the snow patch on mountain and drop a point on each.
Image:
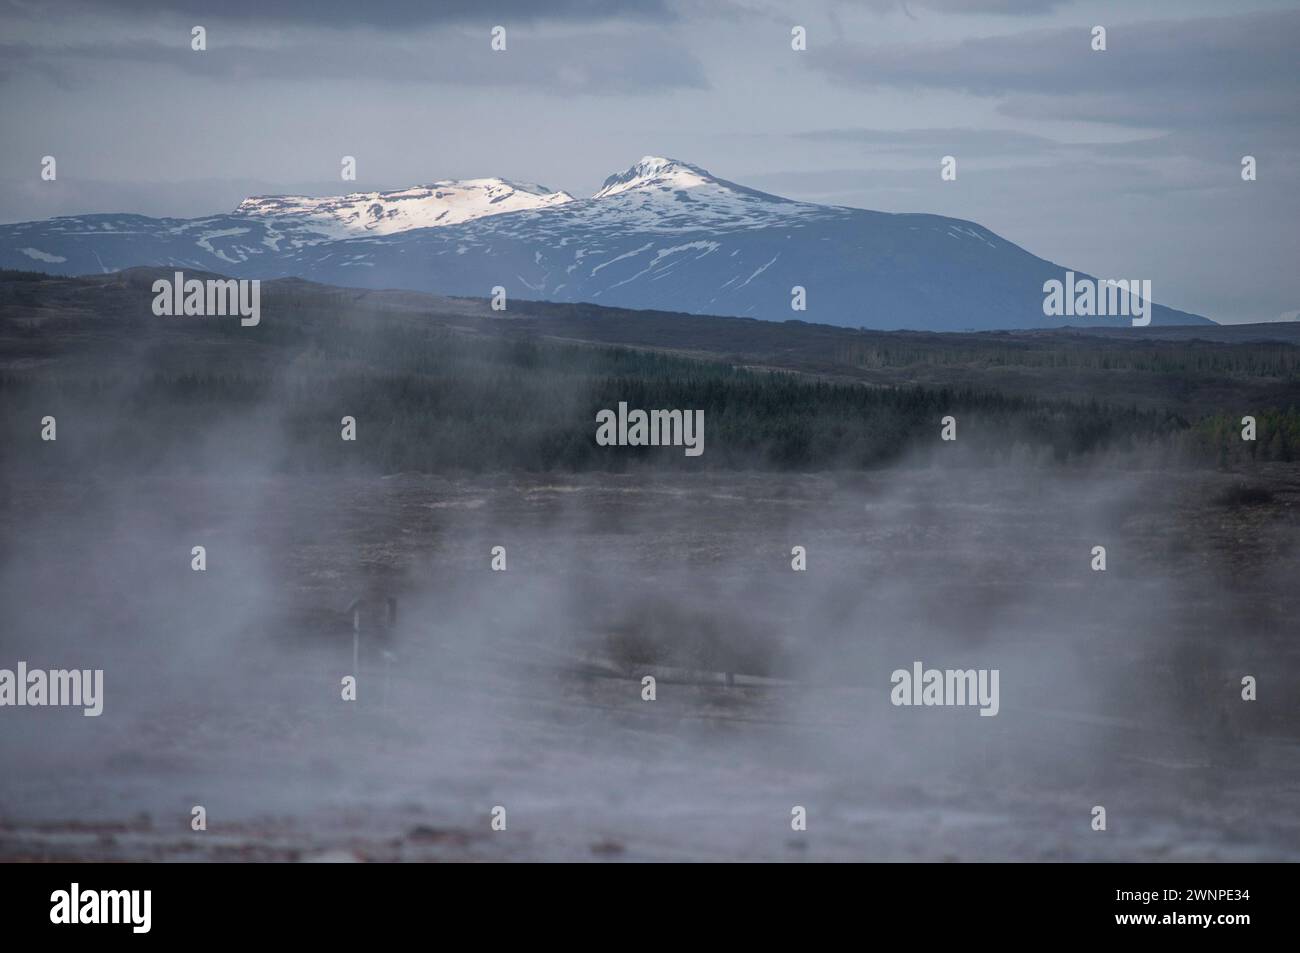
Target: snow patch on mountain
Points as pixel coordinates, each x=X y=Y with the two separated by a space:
x=655 y=172
x=628 y=254
x=205 y=242
x=448 y=202
x=659 y=194
x=38 y=255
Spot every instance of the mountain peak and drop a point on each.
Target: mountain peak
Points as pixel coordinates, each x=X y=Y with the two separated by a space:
x=656 y=172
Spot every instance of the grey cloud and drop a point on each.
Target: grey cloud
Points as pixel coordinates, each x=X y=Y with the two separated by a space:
x=998 y=184
x=937 y=142
x=1170 y=108
x=384 y=14
x=973 y=7
x=599 y=64
x=1154 y=73
x=1207 y=148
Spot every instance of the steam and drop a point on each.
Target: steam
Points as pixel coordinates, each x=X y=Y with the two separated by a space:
x=523 y=688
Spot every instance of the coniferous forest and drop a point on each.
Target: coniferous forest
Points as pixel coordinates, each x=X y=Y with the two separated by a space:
x=442 y=388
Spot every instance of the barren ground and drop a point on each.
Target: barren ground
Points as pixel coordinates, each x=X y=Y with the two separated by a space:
x=523 y=688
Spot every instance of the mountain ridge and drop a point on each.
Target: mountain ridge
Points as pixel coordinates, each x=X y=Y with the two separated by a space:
x=661 y=235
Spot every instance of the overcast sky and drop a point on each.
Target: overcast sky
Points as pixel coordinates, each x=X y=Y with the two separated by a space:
x=1122 y=164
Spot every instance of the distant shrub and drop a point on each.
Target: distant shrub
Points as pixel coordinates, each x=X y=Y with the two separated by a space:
x=1244 y=494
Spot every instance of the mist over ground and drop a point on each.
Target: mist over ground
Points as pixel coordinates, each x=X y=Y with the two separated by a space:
x=523 y=688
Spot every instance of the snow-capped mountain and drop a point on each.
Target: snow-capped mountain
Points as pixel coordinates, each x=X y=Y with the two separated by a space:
x=662 y=235
x=448 y=202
